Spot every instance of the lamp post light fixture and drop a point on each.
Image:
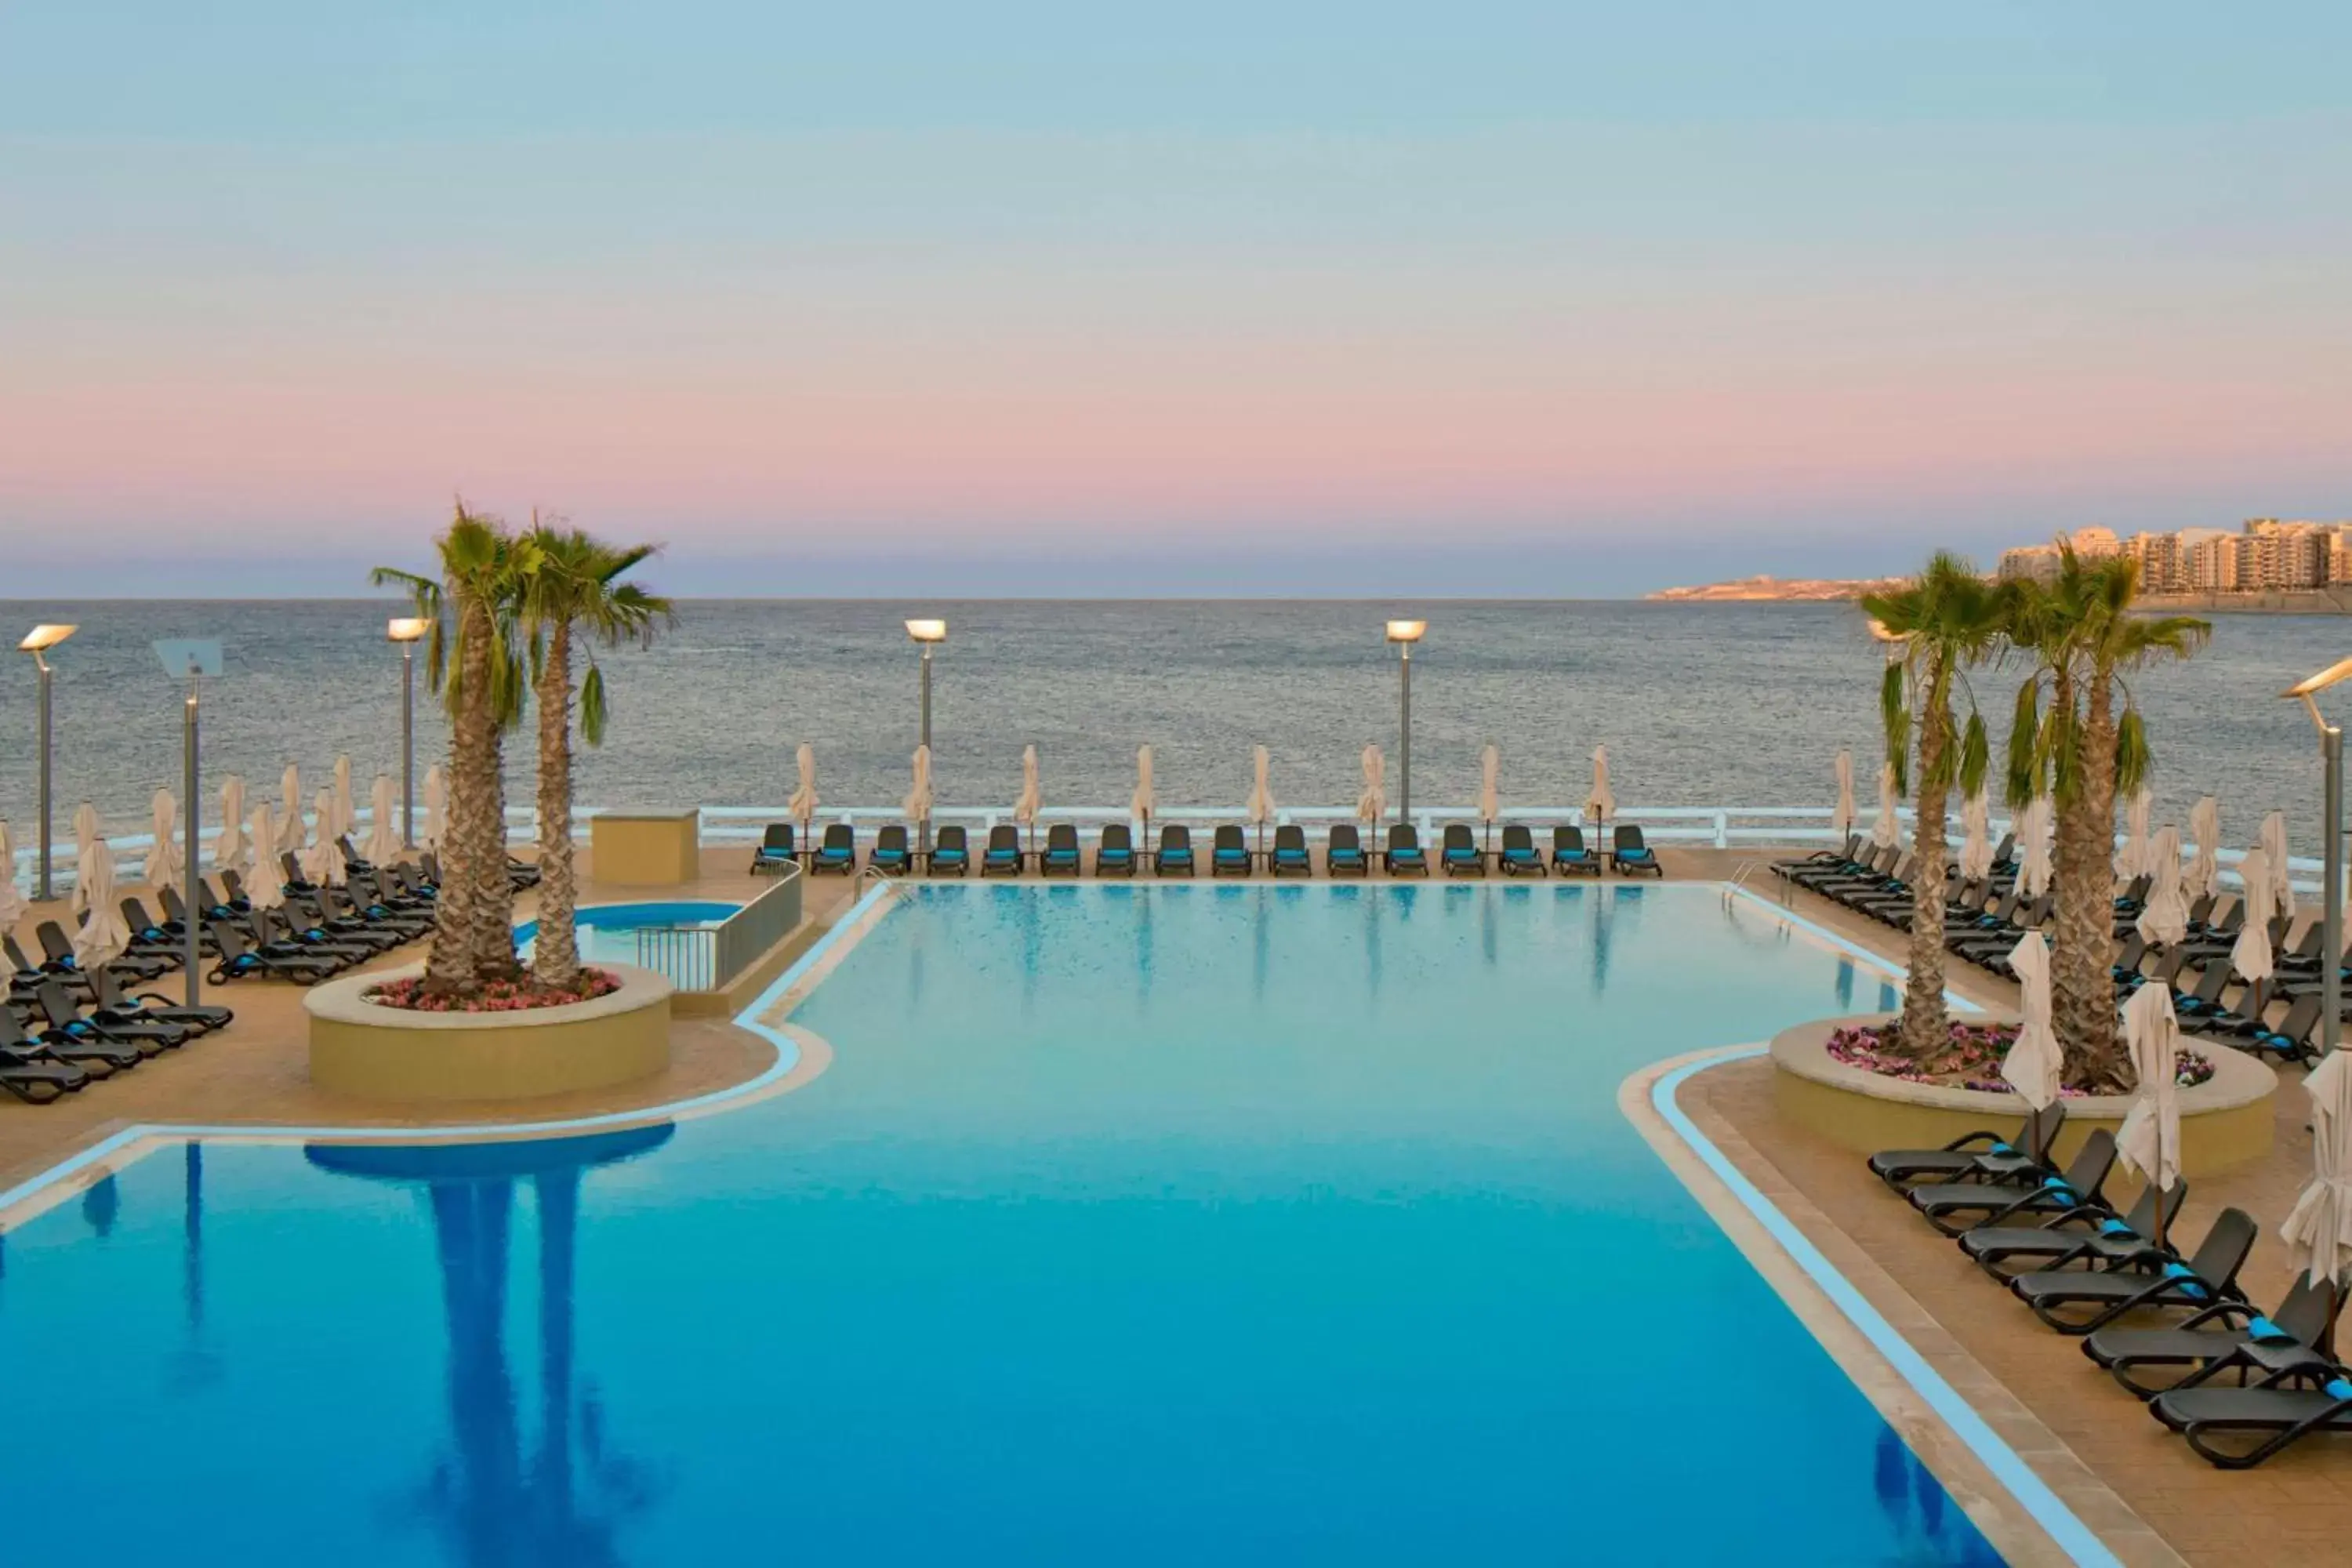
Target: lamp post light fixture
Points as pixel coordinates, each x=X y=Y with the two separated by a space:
x=407 y=630
x=37 y=642
x=926 y=635
x=2331 y=945
x=1404 y=634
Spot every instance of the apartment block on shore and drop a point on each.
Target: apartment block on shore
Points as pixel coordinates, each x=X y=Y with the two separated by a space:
x=2266 y=555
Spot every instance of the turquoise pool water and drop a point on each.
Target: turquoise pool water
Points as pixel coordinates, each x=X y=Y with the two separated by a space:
x=607 y=933
x=1156 y=1223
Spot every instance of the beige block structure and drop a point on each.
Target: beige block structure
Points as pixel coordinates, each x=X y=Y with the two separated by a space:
x=647 y=849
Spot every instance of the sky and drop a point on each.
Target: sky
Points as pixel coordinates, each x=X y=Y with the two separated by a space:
x=1041 y=298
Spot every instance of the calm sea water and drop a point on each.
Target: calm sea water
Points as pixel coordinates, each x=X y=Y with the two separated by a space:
x=1699 y=705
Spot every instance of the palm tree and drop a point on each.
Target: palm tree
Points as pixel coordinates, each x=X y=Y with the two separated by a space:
x=1934 y=626
x=480 y=681
x=2083 y=637
x=573 y=583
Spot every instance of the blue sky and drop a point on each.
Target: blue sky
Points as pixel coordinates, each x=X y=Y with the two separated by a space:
x=1500 y=297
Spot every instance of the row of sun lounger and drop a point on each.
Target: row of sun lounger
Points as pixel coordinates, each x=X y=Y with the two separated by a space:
x=1006 y=853
x=62 y=1028
x=2174 y=1331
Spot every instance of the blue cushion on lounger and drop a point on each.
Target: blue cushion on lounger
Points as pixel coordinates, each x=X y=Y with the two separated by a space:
x=2190 y=1285
x=2262 y=1331
x=1116 y=857
x=2057 y=1188
x=2000 y=1148
x=2116 y=1228
x=2337 y=1388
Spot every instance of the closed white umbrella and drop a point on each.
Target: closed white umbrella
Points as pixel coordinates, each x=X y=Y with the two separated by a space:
x=2032 y=829
x=1145 y=800
x=2250 y=955
x=104 y=933
x=1844 y=816
x=2034 y=1061
x=1976 y=842
x=1599 y=805
x=918 y=804
x=1490 y=793
x=163 y=862
x=85 y=834
x=804 y=803
x=346 y=816
x=1026 y=809
x=1373 y=803
x=2149 y=1138
x=229 y=850
x=321 y=860
x=383 y=846
x=2131 y=860
x=2164 y=918
x=436 y=797
x=266 y=889
x=2205 y=829
x=291 y=832
x=1260 y=808
x=12 y=901
x=2281 y=875
x=1886 y=829
x=2319 y=1228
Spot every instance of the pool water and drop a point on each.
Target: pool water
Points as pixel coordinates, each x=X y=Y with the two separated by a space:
x=607 y=933
x=1148 y=1225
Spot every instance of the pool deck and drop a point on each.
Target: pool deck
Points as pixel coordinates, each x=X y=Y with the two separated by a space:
x=2150 y=1499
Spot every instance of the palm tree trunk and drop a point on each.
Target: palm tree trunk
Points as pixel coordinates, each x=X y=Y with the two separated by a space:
x=2083 y=991
x=453 y=966
x=493 y=890
x=1926 y=1029
x=555 y=958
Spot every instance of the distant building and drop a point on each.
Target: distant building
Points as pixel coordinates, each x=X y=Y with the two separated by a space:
x=2263 y=555
x=2029 y=562
x=2159 y=555
x=2209 y=560
x=2096 y=544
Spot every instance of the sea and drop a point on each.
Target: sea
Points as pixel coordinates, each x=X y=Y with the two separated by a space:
x=1699 y=705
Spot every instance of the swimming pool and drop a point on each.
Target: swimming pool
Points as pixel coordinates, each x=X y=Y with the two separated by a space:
x=1159 y=1223
x=607 y=933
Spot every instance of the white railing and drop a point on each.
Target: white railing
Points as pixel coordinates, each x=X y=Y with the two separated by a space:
x=1700 y=826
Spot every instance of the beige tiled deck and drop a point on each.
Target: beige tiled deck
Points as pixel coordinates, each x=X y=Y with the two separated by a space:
x=2295 y=1510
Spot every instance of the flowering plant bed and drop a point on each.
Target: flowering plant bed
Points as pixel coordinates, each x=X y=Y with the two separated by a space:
x=1972 y=1061
x=408 y=995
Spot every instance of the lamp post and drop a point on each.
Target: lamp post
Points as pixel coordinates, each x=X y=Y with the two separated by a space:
x=2331 y=942
x=405 y=630
x=928 y=635
x=192 y=659
x=1404 y=634
x=37 y=642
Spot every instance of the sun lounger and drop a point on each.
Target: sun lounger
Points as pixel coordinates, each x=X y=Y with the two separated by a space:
x=1290 y=852
x=1628 y=856
x=1061 y=852
x=149 y=1039
x=776 y=850
x=1345 y=853
x=239 y=962
x=154 y=1007
x=1458 y=852
x=1114 y=853
x=2226 y=1336
x=951 y=851
x=1569 y=853
x=2290 y=1041
x=1955 y=1206
x=1175 y=851
x=1518 y=857
x=892 y=853
x=1821 y=857
x=60 y=960
x=837 y=851
x=1403 y=856
x=1003 y=856
x=2077 y=1300
x=1983 y=1151
x=2087 y=1233
x=1229 y=851
x=93 y=1057
x=26 y=1075
x=2238 y=1428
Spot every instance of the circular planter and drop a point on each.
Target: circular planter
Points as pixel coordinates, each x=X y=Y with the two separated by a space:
x=2224 y=1122
x=358 y=1047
